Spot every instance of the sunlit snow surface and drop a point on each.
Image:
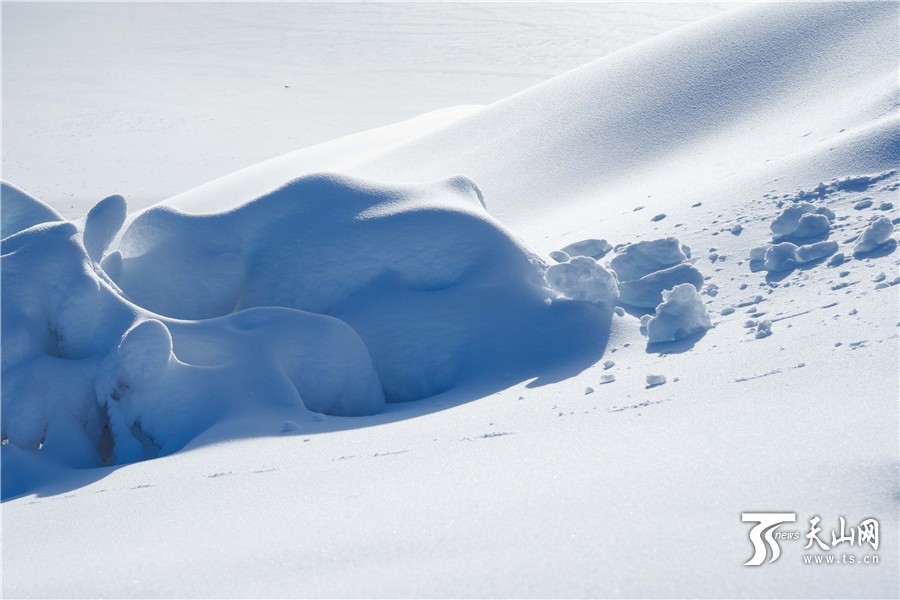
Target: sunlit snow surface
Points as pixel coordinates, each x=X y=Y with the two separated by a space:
x=743 y=170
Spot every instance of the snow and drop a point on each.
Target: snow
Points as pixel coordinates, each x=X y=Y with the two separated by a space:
x=876 y=235
x=816 y=251
x=583 y=278
x=655 y=380
x=596 y=249
x=763 y=329
x=648 y=291
x=21 y=211
x=643 y=258
x=177 y=95
x=503 y=469
x=681 y=314
x=802 y=221
x=196 y=296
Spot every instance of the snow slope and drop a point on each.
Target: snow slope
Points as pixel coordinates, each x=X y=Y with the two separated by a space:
x=148 y=99
x=560 y=486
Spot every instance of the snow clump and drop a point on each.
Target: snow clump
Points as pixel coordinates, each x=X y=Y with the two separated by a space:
x=642 y=258
x=876 y=235
x=583 y=278
x=681 y=314
x=802 y=221
x=646 y=269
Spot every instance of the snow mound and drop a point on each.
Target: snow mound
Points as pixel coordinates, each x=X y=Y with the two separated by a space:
x=681 y=314
x=876 y=235
x=582 y=278
x=119 y=383
x=434 y=286
x=195 y=319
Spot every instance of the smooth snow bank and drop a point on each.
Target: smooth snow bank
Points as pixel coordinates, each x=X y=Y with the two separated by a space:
x=327 y=295
x=681 y=314
x=650 y=119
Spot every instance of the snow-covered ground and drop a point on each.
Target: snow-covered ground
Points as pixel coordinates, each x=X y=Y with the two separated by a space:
x=150 y=99
x=620 y=308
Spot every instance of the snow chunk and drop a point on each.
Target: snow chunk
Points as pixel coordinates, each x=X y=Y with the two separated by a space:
x=802 y=221
x=594 y=248
x=583 y=278
x=608 y=378
x=876 y=235
x=642 y=258
x=758 y=254
x=681 y=314
x=810 y=252
x=655 y=380
x=780 y=257
x=647 y=292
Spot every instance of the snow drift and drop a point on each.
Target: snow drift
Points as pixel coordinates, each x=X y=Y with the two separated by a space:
x=326 y=295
